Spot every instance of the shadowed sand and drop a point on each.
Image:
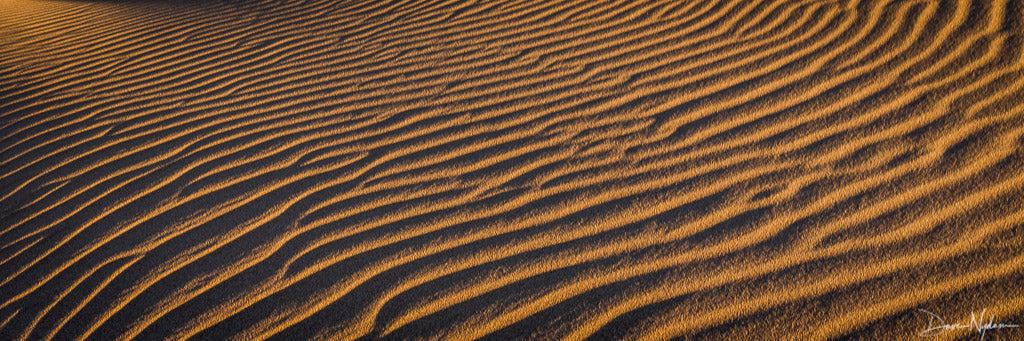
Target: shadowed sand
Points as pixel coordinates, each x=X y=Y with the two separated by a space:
x=458 y=169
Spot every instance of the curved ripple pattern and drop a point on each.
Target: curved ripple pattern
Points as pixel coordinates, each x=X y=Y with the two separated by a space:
x=510 y=169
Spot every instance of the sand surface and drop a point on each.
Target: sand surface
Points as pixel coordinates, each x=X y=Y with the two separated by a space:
x=510 y=169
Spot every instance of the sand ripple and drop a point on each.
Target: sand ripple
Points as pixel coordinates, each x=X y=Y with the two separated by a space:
x=458 y=169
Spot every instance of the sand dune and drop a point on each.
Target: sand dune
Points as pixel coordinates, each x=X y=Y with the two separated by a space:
x=461 y=169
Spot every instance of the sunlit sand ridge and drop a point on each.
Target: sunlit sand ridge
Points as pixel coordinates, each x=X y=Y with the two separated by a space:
x=458 y=169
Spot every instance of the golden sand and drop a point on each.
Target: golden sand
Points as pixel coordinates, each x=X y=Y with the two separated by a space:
x=462 y=169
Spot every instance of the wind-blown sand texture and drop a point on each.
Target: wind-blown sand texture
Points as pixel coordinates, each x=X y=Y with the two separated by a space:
x=509 y=169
